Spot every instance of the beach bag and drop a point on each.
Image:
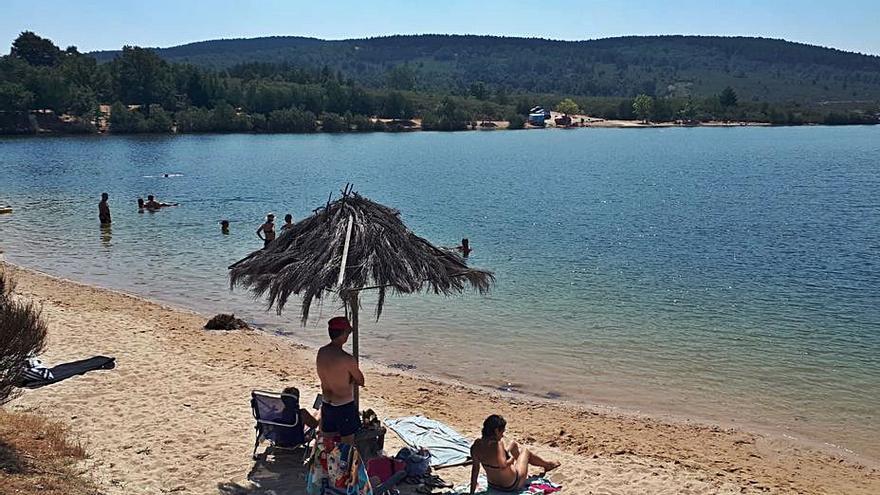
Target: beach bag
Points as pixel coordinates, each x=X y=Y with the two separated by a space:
x=384 y=468
x=417 y=463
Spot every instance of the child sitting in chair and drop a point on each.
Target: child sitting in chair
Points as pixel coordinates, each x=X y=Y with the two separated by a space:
x=290 y=408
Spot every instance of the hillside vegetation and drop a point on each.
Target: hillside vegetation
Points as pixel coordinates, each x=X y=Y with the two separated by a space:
x=446 y=82
x=677 y=66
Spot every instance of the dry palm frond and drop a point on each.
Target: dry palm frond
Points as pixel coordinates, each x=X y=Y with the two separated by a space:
x=383 y=254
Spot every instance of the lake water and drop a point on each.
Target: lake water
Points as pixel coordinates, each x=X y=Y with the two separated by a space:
x=723 y=274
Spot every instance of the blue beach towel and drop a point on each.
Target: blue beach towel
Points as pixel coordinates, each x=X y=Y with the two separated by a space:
x=447 y=446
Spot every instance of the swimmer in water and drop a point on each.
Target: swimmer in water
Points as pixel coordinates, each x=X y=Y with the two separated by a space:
x=465 y=248
x=224 y=227
x=288 y=222
x=266 y=232
x=154 y=205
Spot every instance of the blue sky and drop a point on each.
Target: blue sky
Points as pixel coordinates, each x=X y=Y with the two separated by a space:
x=91 y=25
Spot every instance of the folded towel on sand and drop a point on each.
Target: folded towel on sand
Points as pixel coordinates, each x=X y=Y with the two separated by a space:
x=447 y=446
x=537 y=485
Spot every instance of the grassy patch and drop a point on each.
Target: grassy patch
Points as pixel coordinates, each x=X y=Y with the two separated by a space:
x=38 y=456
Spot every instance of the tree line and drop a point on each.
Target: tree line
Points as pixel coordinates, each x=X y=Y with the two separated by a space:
x=775 y=71
x=150 y=95
x=38 y=75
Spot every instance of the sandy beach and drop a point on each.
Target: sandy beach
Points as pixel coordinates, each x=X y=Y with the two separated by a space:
x=173 y=417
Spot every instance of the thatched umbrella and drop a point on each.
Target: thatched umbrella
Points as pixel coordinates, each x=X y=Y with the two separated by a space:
x=347 y=246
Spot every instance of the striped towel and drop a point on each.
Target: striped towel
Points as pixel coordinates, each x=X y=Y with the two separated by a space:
x=36 y=371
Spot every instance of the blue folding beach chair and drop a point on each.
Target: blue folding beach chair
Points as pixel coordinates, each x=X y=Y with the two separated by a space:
x=278 y=421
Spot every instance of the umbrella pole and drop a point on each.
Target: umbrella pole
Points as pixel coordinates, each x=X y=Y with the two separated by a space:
x=353 y=310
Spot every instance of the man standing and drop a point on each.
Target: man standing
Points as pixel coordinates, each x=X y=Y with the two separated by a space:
x=104 y=210
x=339 y=374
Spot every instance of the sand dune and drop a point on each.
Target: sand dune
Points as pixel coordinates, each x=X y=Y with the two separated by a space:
x=173 y=417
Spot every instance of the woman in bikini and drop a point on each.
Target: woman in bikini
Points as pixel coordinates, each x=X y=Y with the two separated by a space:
x=507 y=466
x=266 y=232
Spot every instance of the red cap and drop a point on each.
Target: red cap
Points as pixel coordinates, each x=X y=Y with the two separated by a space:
x=339 y=323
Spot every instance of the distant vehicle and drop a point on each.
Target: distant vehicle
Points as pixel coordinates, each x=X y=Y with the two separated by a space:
x=539 y=109
x=537 y=119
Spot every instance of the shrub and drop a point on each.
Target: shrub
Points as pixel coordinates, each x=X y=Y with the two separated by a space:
x=193 y=120
x=516 y=121
x=159 y=120
x=291 y=120
x=22 y=334
x=332 y=122
x=125 y=121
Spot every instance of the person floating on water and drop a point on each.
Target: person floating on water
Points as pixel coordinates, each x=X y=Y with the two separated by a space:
x=288 y=222
x=104 y=209
x=224 y=227
x=154 y=205
x=465 y=248
x=507 y=466
x=339 y=374
x=140 y=205
x=266 y=232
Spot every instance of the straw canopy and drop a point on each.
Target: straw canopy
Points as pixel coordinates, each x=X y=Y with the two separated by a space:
x=383 y=254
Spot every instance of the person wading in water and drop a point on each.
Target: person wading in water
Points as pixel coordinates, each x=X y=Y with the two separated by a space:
x=266 y=232
x=104 y=210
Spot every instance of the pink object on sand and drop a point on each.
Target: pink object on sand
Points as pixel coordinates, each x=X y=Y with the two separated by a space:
x=384 y=467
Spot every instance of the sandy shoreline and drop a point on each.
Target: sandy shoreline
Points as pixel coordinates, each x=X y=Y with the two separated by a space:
x=174 y=415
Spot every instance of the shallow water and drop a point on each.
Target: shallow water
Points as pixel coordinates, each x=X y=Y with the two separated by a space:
x=722 y=274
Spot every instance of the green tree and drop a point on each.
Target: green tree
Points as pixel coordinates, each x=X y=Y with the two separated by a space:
x=125 y=121
x=159 y=121
x=568 y=107
x=225 y=118
x=396 y=105
x=447 y=116
x=35 y=50
x=291 y=120
x=728 y=98
x=515 y=121
x=523 y=105
x=141 y=77
x=362 y=123
x=14 y=97
x=688 y=111
x=81 y=101
x=401 y=77
x=501 y=96
x=332 y=122
x=193 y=120
x=478 y=90
x=643 y=106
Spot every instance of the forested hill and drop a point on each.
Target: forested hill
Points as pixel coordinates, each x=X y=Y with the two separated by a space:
x=760 y=69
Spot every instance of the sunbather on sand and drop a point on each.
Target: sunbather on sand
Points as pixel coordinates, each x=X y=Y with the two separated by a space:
x=507 y=466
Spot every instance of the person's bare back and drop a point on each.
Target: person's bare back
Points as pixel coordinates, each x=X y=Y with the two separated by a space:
x=339 y=374
x=335 y=369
